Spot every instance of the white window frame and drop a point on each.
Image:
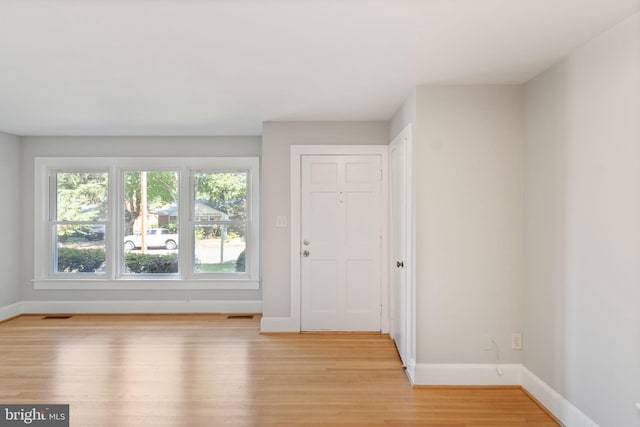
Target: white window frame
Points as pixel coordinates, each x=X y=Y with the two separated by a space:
x=113 y=278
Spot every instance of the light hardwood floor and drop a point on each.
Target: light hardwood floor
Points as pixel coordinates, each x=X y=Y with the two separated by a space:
x=207 y=370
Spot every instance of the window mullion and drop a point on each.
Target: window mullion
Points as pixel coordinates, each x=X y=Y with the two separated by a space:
x=116 y=217
x=184 y=226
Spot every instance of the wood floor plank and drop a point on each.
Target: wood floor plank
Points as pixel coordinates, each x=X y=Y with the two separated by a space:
x=205 y=370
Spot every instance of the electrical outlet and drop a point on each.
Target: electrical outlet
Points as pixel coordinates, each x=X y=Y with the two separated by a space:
x=516 y=341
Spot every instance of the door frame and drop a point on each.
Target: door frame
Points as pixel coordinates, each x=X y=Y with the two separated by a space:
x=406 y=137
x=296 y=153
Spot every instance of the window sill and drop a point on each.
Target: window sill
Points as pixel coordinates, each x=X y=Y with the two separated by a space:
x=146 y=284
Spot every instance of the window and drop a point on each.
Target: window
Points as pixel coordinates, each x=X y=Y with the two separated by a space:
x=150 y=241
x=220 y=221
x=152 y=223
x=79 y=215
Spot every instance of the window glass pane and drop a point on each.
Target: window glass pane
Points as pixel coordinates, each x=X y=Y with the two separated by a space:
x=79 y=249
x=220 y=196
x=151 y=220
x=220 y=248
x=81 y=196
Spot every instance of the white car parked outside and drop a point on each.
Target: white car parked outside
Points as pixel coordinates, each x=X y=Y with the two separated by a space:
x=155 y=238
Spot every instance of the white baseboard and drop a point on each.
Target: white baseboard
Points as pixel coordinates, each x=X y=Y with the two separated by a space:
x=465 y=374
x=9 y=311
x=279 y=324
x=512 y=374
x=560 y=407
x=206 y=306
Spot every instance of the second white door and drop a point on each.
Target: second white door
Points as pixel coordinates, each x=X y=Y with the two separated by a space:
x=341 y=243
x=399 y=238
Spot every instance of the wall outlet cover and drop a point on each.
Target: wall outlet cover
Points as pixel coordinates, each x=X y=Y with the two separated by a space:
x=516 y=341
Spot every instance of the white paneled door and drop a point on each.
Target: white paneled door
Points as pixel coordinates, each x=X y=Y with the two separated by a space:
x=399 y=223
x=341 y=242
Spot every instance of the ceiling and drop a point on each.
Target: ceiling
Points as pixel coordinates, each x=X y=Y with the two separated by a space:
x=223 y=67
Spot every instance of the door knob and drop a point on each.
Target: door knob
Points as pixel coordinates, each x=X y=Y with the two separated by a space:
x=305 y=253
x=400 y=264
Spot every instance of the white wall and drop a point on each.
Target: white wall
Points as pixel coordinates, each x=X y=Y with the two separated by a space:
x=277 y=137
x=469 y=165
x=406 y=115
x=122 y=146
x=582 y=227
x=10 y=218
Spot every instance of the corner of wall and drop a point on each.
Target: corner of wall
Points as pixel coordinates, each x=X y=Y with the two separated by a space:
x=500 y=375
x=10 y=311
x=553 y=401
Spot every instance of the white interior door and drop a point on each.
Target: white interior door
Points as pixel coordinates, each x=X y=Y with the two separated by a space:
x=340 y=243
x=398 y=285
